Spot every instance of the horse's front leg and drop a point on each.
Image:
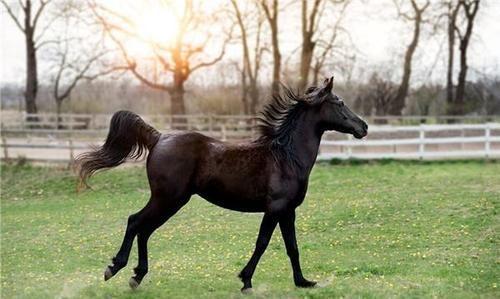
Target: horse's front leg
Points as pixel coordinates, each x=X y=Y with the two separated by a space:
x=287 y=226
x=267 y=227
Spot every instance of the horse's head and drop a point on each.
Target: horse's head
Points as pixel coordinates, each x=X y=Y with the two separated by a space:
x=333 y=113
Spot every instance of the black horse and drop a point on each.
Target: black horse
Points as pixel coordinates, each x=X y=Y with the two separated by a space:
x=269 y=174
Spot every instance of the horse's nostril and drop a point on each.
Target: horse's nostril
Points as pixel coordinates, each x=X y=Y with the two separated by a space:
x=365 y=126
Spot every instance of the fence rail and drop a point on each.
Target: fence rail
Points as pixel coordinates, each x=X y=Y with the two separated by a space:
x=487 y=145
x=399 y=142
x=201 y=122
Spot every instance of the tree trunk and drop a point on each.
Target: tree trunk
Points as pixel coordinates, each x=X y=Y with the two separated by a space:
x=31 y=67
x=272 y=18
x=177 y=101
x=452 y=17
x=244 y=92
x=177 y=108
x=276 y=59
x=58 y=113
x=305 y=62
x=470 y=13
x=177 y=91
x=398 y=103
x=254 y=97
x=458 y=107
x=316 y=69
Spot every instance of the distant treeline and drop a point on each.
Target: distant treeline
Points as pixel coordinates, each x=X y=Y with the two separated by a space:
x=157 y=50
x=369 y=98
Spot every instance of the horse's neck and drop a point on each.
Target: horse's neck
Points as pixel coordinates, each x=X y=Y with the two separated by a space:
x=306 y=138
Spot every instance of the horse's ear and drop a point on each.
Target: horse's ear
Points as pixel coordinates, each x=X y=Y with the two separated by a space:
x=310 y=89
x=328 y=84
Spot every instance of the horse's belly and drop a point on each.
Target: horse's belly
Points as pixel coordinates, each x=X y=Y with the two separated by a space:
x=237 y=198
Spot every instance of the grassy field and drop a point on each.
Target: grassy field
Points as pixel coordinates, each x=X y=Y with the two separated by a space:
x=372 y=231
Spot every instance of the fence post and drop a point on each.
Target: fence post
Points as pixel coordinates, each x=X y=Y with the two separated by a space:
x=487 y=134
x=5 y=149
x=349 y=148
x=223 y=131
x=71 y=154
x=421 y=145
x=92 y=125
x=23 y=120
x=210 y=123
x=462 y=134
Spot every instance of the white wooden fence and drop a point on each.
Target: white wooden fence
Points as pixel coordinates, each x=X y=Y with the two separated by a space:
x=397 y=142
x=474 y=141
x=201 y=122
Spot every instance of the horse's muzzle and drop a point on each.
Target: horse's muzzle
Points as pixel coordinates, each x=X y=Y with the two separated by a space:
x=362 y=131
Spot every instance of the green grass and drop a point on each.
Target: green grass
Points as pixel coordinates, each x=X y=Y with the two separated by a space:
x=368 y=230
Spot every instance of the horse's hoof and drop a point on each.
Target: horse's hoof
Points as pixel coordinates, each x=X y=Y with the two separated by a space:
x=306 y=284
x=133 y=283
x=246 y=291
x=107 y=273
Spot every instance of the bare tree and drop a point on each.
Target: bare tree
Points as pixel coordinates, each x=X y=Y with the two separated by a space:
x=417 y=17
x=381 y=93
x=310 y=22
x=328 y=45
x=251 y=59
x=75 y=55
x=173 y=64
x=470 y=8
x=452 y=11
x=271 y=11
x=29 y=24
x=70 y=73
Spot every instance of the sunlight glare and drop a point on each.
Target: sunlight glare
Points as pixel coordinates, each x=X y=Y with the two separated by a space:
x=157 y=25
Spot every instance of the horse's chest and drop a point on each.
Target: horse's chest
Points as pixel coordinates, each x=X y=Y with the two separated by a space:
x=292 y=189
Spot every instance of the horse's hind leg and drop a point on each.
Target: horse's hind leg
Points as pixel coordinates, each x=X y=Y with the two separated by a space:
x=143 y=223
x=156 y=218
x=121 y=258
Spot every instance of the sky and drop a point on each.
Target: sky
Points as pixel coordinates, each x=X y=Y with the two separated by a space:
x=378 y=36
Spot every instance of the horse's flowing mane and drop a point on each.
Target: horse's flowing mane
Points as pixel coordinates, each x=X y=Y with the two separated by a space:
x=277 y=120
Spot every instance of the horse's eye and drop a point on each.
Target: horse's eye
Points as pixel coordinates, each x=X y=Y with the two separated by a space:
x=341 y=103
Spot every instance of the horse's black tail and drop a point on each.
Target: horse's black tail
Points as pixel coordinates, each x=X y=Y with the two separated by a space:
x=128 y=137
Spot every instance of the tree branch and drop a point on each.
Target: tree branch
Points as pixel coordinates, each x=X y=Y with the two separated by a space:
x=45 y=28
x=38 y=13
x=212 y=62
x=12 y=15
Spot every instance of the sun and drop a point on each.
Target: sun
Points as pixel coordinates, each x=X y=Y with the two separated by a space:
x=161 y=25
x=156 y=24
